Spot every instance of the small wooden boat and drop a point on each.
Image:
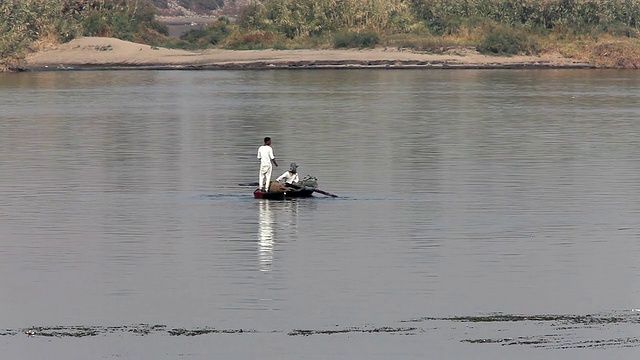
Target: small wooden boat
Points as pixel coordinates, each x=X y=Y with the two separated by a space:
x=303 y=189
x=283 y=194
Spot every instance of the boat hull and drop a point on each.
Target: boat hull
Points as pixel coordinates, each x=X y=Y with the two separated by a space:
x=283 y=195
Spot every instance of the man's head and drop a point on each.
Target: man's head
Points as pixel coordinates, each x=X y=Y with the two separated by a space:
x=293 y=168
x=267 y=141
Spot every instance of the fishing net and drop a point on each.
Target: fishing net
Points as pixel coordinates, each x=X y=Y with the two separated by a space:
x=310 y=181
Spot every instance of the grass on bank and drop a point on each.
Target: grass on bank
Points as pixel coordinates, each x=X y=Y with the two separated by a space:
x=29 y=25
x=496 y=27
x=604 y=32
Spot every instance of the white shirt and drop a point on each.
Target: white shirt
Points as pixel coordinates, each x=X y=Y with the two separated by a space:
x=265 y=154
x=289 y=178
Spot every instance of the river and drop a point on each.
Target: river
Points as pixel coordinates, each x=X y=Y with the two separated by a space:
x=477 y=209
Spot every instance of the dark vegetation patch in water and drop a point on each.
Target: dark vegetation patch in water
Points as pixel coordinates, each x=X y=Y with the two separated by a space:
x=144 y=329
x=298 y=332
x=562 y=330
x=487 y=341
x=65 y=331
x=196 y=332
x=141 y=329
x=549 y=331
x=523 y=340
x=83 y=331
x=566 y=319
x=618 y=342
x=558 y=342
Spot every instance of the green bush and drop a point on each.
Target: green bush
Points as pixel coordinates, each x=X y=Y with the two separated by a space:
x=122 y=19
x=574 y=15
x=439 y=26
x=211 y=35
x=24 y=23
x=255 y=40
x=621 y=30
x=351 y=39
x=304 y=18
x=194 y=35
x=506 y=41
x=157 y=26
x=95 y=25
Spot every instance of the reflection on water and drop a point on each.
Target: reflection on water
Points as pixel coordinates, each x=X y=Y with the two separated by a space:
x=282 y=215
x=265 y=236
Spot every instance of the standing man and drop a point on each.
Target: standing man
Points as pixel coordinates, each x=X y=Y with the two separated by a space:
x=265 y=154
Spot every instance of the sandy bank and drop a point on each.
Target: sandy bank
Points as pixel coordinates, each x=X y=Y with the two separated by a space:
x=106 y=53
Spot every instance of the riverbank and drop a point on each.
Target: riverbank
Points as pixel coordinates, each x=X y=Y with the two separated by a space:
x=109 y=53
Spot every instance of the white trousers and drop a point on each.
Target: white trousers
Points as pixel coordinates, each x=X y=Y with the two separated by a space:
x=264 y=177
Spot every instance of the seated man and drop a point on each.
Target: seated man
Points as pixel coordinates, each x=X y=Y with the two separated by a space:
x=290 y=176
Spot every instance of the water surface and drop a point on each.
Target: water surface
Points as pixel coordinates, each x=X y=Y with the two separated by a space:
x=462 y=194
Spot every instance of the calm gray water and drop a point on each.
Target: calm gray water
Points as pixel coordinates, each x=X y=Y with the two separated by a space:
x=472 y=205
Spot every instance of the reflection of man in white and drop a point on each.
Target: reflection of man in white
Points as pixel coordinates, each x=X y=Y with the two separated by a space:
x=265 y=237
x=265 y=154
x=290 y=176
